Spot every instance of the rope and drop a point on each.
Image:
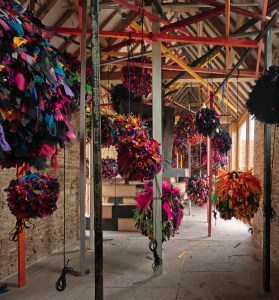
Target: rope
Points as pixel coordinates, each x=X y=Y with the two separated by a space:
x=129 y=75
x=61 y=282
x=143 y=50
x=237 y=133
x=20 y=225
x=153 y=244
x=272 y=212
x=153 y=248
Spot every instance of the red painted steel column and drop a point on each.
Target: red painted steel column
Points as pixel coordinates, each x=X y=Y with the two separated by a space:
x=22 y=239
x=210 y=175
x=21 y=258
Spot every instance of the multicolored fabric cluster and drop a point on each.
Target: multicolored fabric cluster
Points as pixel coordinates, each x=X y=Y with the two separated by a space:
x=36 y=100
x=222 y=142
x=207 y=122
x=199 y=159
x=120 y=95
x=186 y=132
x=139 y=158
x=33 y=196
x=136 y=79
x=109 y=168
x=237 y=194
x=197 y=190
x=106 y=129
x=172 y=211
x=263 y=101
x=127 y=127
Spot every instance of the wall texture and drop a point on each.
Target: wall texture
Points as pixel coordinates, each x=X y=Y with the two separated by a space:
x=259 y=171
x=47 y=234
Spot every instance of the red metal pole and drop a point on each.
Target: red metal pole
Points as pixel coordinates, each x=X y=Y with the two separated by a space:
x=210 y=175
x=208 y=14
x=21 y=258
x=244 y=43
x=22 y=239
x=150 y=16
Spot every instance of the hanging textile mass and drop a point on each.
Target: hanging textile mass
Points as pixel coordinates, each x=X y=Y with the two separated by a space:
x=197 y=190
x=207 y=122
x=32 y=196
x=186 y=132
x=119 y=97
x=199 y=159
x=172 y=211
x=126 y=127
x=263 y=101
x=237 y=194
x=139 y=158
x=109 y=168
x=222 y=142
x=106 y=137
x=36 y=100
x=137 y=79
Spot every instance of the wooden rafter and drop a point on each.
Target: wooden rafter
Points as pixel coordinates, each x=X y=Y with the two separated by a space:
x=45 y=9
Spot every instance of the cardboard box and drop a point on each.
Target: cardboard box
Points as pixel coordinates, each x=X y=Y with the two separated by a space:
x=126 y=225
x=129 y=201
x=118 y=190
x=107 y=211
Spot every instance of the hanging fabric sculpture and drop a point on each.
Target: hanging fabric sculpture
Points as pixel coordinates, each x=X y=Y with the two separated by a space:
x=32 y=196
x=126 y=127
x=109 y=168
x=36 y=100
x=199 y=159
x=138 y=156
x=136 y=78
x=207 y=122
x=197 y=190
x=172 y=211
x=119 y=97
x=263 y=101
x=222 y=142
x=186 y=133
x=237 y=194
x=106 y=122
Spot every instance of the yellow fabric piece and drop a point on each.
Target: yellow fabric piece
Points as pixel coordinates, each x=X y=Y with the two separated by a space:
x=18 y=41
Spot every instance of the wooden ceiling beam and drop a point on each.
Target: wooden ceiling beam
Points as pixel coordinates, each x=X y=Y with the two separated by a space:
x=45 y=9
x=147 y=14
x=242 y=11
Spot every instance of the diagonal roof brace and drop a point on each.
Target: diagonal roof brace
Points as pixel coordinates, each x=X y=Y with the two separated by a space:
x=247 y=52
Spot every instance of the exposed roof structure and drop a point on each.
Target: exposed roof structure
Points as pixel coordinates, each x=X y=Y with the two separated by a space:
x=202 y=41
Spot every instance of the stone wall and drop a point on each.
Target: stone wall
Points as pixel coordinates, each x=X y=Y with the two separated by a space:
x=47 y=234
x=259 y=171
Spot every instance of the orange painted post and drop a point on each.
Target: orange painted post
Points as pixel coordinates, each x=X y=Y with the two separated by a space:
x=209 y=210
x=21 y=258
x=210 y=174
x=21 y=239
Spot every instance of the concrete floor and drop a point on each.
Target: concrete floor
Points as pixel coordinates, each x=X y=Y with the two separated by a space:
x=226 y=266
